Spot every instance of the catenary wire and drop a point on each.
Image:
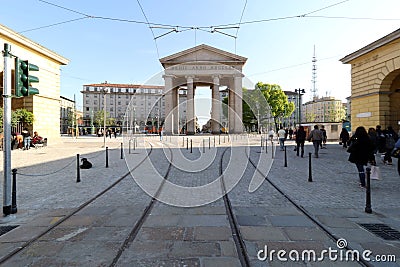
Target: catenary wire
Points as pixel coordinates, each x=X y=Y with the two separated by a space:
x=240 y=21
x=149 y=25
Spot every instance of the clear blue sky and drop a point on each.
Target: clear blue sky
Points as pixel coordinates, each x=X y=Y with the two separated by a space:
x=279 y=51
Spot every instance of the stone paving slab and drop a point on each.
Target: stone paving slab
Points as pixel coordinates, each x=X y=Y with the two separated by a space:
x=174 y=236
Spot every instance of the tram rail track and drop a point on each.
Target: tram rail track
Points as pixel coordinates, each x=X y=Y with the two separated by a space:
x=331 y=235
x=28 y=243
x=241 y=249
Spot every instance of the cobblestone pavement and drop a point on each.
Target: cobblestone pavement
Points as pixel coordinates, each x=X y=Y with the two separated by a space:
x=187 y=236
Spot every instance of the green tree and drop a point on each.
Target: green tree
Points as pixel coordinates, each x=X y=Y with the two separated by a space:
x=98 y=119
x=20 y=115
x=280 y=107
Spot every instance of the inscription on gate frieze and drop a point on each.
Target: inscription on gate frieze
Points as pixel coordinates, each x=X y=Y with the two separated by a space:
x=201 y=67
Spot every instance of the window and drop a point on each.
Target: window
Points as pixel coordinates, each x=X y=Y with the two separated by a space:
x=87 y=88
x=87 y=108
x=127 y=90
x=119 y=90
x=95 y=89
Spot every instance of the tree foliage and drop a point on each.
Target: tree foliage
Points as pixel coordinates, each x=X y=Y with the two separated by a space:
x=98 y=119
x=280 y=107
x=20 y=115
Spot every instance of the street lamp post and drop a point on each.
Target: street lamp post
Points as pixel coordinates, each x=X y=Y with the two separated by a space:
x=105 y=90
x=299 y=92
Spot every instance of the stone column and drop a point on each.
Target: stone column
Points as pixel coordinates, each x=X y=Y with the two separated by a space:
x=231 y=106
x=190 y=113
x=169 y=103
x=175 y=111
x=216 y=106
x=238 y=103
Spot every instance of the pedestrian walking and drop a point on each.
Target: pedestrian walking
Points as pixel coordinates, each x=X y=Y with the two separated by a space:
x=344 y=137
x=160 y=132
x=324 y=137
x=361 y=152
x=282 y=137
x=27 y=138
x=315 y=136
x=380 y=139
x=271 y=134
x=373 y=138
x=300 y=139
x=390 y=141
x=397 y=146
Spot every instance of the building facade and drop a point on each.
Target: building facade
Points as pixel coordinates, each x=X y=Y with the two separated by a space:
x=45 y=106
x=375 y=83
x=324 y=109
x=129 y=104
x=67 y=107
x=203 y=66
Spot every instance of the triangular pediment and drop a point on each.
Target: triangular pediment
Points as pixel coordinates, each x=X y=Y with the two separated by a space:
x=202 y=53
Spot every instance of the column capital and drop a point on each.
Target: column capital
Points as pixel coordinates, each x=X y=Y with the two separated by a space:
x=168 y=76
x=189 y=78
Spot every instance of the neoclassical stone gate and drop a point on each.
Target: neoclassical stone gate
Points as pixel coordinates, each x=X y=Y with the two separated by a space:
x=203 y=65
x=375 y=83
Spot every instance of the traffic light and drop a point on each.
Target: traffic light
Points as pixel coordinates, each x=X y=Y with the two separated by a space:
x=23 y=79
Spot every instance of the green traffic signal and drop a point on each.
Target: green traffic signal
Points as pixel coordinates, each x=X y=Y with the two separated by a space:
x=23 y=79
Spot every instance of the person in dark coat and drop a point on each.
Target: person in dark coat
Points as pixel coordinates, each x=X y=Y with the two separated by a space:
x=373 y=138
x=344 y=137
x=300 y=139
x=361 y=152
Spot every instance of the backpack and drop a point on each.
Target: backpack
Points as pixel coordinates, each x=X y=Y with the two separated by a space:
x=390 y=142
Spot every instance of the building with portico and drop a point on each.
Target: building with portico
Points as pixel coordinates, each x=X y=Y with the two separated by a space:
x=203 y=66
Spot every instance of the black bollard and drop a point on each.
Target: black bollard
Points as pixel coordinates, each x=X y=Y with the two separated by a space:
x=262 y=144
x=285 y=158
x=122 y=150
x=204 y=149
x=309 y=168
x=214 y=140
x=107 y=157
x=191 y=146
x=368 y=208
x=14 y=192
x=130 y=146
x=266 y=146
x=78 y=170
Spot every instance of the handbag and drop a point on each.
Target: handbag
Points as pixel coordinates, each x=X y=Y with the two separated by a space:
x=396 y=153
x=375 y=173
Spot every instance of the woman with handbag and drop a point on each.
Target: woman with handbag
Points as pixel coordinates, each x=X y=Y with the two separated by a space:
x=361 y=152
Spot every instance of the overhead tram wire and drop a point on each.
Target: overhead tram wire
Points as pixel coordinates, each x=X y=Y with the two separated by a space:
x=54 y=24
x=240 y=21
x=152 y=32
x=204 y=28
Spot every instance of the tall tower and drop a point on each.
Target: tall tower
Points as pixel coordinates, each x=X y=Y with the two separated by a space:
x=314 y=89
